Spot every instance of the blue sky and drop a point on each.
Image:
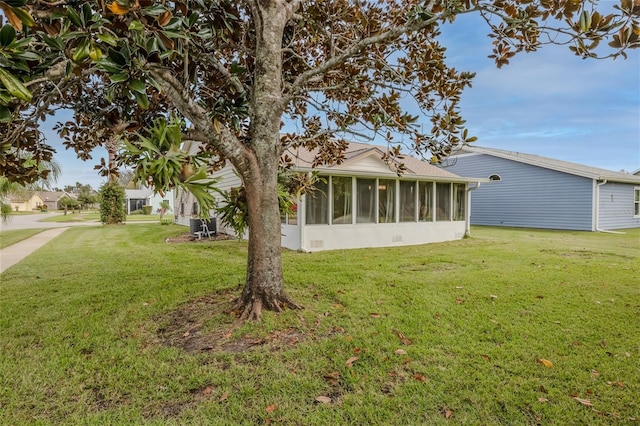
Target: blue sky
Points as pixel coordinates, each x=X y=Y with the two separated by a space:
x=549 y=103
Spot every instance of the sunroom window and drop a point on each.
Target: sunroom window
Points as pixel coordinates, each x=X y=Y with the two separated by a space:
x=459 y=197
x=386 y=201
x=425 y=201
x=443 y=201
x=317 y=202
x=342 y=196
x=366 y=200
x=407 y=201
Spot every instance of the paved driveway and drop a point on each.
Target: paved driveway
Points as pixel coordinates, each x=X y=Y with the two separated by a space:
x=34 y=221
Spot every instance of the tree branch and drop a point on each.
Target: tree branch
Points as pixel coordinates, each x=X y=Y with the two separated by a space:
x=225 y=141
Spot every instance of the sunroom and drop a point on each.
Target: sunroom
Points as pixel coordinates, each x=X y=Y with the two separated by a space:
x=363 y=203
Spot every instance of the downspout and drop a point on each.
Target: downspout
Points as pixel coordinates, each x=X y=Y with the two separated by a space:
x=467 y=219
x=597 y=214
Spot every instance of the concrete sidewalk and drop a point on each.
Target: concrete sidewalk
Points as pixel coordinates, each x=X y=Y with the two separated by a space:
x=13 y=254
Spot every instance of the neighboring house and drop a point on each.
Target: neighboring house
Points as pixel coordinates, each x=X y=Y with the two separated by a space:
x=51 y=198
x=538 y=192
x=363 y=203
x=25 y=201
x=137 y=198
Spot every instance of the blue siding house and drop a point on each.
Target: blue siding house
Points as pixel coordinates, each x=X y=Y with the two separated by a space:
x=537 y=192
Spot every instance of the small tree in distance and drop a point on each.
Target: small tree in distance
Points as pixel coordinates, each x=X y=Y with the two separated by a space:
x=68 y=203
x=236 y=70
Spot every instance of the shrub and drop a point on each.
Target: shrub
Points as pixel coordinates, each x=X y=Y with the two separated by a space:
x=112 y=203
x=147 y=209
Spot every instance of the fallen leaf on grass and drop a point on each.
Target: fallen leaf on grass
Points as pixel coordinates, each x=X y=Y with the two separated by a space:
x=493 y=296
x=186 y=334
x=332 y=378
x=543 y=399
x=459 y=301
x=207 y=391
x=375 y=315
x=583 y=401
x=446 y=413
x=419 y=377
x=403 y=338
x=486 y=358
x=350 y=361
x=224 y=396
x=356 y=350
x=323 y=399
x=400 y=352
x=545 y=362
x=271 y=408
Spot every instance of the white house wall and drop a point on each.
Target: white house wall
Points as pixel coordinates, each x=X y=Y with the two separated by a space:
x=332 y=237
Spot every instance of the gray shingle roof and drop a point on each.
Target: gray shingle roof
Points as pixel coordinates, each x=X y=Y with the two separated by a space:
x=303 y=159
x=553 y=164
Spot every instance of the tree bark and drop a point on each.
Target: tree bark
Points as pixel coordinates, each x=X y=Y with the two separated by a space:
x=264 y=286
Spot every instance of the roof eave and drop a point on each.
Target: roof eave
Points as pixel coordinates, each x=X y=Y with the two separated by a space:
x=390 y=175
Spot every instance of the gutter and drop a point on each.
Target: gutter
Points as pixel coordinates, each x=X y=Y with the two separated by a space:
x=597 y=212
x=467 y=219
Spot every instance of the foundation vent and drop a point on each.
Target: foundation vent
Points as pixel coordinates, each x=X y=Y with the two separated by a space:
x=316 y=244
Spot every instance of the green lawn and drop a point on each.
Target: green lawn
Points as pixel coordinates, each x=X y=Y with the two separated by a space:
x=74 y=217
x=16 y=235
x=111 y=325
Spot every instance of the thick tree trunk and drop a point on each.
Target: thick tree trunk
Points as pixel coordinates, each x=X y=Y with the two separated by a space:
x=264 y=286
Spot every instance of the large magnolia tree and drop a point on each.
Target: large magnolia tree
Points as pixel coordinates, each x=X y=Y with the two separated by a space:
x=237 y=70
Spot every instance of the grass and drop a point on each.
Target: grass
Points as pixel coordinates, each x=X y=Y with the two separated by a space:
x=147 y=217
x=444 y=333
x=74 y=217
x=13 y=236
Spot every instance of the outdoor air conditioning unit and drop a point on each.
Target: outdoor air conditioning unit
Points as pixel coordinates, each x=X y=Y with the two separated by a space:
x=195 y=225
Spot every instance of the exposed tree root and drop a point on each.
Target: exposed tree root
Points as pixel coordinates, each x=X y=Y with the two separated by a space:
x=249 y=307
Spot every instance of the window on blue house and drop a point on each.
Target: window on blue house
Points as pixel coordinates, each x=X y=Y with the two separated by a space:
x=636 y=202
